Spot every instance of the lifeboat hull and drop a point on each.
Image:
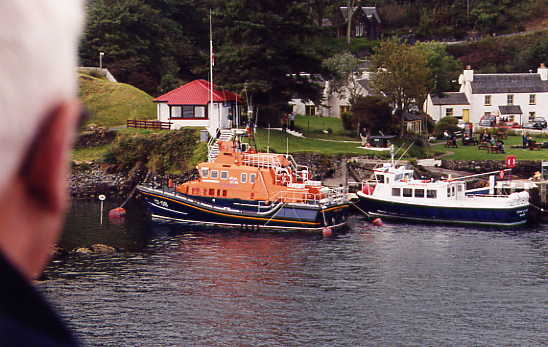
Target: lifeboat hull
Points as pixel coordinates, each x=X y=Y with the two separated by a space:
x=178 y=208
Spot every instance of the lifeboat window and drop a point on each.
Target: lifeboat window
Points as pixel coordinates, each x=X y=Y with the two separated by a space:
x=407 y=192
x=419 y=193
x=214 y=174
x=224 y=192
x=252 y=178
x=243 y=178
x=431 y=194
x=459 y=188
x=453 y=191
x=205 y=191
x=218 y=192
x=395 y=191
x=380 y=178
x=211 y=191
x=224 y=175
x=205 y=172
x=195 y=191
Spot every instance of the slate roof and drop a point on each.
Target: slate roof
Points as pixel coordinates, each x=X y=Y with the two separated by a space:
x=508 y=83
x=196 y=93
x=450 y=99
x=510 y=109
x=369 y=12
x=412 y=116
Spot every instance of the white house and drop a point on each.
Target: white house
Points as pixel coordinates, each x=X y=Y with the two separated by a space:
x=512 y=97
x=450 y=104
x=190 y=106
x=334 y=102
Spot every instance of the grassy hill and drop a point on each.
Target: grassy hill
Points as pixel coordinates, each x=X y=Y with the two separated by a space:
x=111 y=104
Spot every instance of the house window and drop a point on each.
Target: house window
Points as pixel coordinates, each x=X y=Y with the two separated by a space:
x=224 y=175
x=532 y=99
x=360 y=29
x=310 y=110
x=510 y=99
x=252 y=178
x=430 y=193
x=532 y=116
x=395 y=191
x=419 y=193
x=205 y=172
x=407 y=192
x=199 y=111
x=449 y=112
x=214 y=174
x=187 y=111
x=243 y=178
x=345 y=109
x=487 y=101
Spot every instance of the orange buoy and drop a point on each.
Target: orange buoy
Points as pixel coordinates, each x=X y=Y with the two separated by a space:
x=116 y=215
x=327 y=232
x=377 y=222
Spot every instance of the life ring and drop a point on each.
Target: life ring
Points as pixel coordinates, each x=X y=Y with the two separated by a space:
x=501 y=174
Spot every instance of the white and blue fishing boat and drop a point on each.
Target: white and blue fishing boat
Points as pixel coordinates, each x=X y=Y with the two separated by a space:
x=395 y=194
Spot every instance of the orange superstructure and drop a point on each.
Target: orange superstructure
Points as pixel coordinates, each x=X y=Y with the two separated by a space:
x=247 y=175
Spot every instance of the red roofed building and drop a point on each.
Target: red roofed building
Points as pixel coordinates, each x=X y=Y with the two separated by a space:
x=189 y=106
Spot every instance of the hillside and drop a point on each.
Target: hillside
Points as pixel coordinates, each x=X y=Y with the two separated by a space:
x=111 y=104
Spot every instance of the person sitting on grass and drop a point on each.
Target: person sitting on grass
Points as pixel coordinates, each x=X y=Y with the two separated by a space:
x=500 y=146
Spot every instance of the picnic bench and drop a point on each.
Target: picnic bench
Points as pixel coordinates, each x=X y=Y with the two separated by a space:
x=451 y=143
x=484 y=145
x=533 y=146
x=494 y=149
x=501 y=135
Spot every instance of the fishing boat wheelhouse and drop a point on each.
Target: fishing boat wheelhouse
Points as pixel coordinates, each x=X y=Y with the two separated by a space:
x=395 y=193
x=243 y=188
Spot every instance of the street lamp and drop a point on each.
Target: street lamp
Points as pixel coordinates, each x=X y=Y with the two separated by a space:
x=101 y=54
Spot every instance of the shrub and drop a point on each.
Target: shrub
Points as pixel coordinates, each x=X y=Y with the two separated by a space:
x=448 y=124
x=347 y=121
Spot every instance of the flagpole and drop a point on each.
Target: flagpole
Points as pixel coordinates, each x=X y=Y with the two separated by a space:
x=211 y=68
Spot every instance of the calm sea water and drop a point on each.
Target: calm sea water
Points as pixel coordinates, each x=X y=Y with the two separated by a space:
x=397 y=285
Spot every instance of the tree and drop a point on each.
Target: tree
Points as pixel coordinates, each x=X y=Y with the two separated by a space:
x=342 y=69
x=401 y=73
x=137 y=38
x=351 y=7
x=267 y=45
x=374 y=113
x=444 y=68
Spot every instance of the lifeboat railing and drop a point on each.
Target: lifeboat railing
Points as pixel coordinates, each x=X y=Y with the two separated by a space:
x=265 y=160
x=330 y=196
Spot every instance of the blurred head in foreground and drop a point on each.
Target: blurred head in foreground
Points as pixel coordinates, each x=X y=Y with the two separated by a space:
x=38 y=112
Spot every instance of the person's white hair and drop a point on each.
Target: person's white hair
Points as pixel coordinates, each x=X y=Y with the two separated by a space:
x=38 y=59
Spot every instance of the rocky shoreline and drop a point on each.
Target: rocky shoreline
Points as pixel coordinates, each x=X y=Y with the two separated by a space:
x=88 y=180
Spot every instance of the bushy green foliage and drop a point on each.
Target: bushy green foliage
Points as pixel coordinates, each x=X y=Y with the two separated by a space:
x=347 y=121
x=161 y=152
x=448 y=124
x=373 y=113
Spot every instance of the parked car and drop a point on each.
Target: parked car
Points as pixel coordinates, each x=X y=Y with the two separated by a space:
x=532 y=125
x=541 y=121
x=488 y=121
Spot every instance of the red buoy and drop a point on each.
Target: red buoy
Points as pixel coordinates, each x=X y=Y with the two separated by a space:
x=377 y=222
x=116 y=215
x=327 y=232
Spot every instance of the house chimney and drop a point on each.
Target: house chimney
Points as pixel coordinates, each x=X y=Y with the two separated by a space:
x=468 y=74
x=543 y=72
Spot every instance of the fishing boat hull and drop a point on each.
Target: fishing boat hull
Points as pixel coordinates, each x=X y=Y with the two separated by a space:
x=178 y=208
x=506 y=216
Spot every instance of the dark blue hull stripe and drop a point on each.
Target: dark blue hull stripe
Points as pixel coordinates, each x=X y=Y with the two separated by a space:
x=485 y=216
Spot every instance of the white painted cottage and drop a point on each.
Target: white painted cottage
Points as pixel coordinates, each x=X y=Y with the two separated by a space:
x=190 y=106
x=512 y=97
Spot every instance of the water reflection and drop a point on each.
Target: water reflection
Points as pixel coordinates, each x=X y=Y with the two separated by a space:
x=397 y=285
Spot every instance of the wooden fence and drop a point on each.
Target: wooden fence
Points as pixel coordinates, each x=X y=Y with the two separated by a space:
x=148 y=124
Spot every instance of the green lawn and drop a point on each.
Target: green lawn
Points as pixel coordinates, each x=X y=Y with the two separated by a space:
x=314 y=127
x=473 y=153
x=299 y=144
x=90 y=153
x=111 y=104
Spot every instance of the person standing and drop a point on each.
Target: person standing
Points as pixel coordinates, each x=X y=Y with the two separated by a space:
x=284 y=122
x=38 y=98
x=292 y=121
